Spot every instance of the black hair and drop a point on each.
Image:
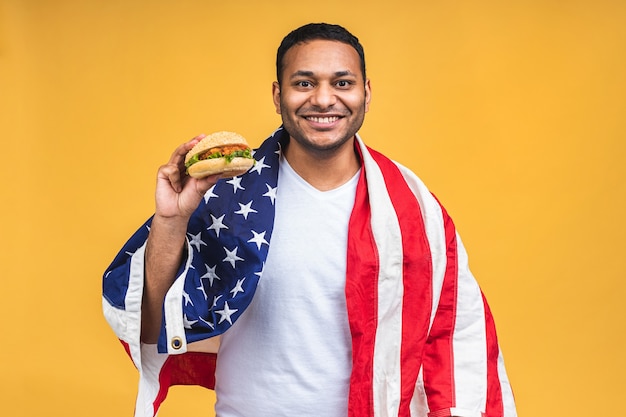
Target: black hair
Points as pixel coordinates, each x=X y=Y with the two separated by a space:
x=317 y=31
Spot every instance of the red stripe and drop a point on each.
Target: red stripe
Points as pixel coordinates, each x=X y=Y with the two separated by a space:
x=127 y=349
x=495 y=406
x=191 y=368
x=361 y=298
x=438 y=360
x=417 y=277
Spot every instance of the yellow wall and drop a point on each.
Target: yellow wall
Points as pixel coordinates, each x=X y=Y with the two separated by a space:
x=513 y=113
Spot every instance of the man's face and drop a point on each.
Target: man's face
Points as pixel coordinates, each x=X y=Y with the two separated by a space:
x=323 y=97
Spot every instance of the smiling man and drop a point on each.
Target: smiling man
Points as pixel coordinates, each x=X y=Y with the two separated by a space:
x=322 y=90
x=326 y=281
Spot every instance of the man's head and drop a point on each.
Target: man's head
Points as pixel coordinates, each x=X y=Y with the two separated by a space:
x=317 y=31
x=321 y=94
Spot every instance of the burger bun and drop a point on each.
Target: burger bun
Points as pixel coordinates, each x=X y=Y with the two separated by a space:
x=207 y=167
x=216 y=166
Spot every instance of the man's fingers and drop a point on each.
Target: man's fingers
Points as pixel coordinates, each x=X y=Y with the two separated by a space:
x=204 y=184
x=178 y=157
x=197 y=139
x=174 y=170
x=173 y=175
x=193 y=142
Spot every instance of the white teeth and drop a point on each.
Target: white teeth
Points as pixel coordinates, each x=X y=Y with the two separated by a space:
x=323 y=119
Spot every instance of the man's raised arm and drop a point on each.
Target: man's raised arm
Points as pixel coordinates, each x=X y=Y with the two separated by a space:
x=177 y=197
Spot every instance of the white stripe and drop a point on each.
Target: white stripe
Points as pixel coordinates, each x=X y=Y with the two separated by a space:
x=134 y=297
x=149 y=385
x=507 y=393
x=387 y=347
x=126 y=324
x=419 y=403
x=173 y=311
x=469 y=341
x=435 y=233
x=460 y=412
x=151 y=360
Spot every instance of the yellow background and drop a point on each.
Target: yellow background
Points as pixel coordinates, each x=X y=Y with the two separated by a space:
x=514 y=113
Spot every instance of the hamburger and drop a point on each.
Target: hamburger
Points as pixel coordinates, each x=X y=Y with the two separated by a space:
x=225 y=153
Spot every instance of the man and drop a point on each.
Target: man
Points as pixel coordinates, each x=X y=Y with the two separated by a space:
x=336 y=283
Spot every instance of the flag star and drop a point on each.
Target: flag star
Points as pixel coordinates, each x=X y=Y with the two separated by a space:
x=245 y=209
x=238 y=288
x=215 y=298
x=231 y=256
x=260 y=273
x=201 y=288
x=259 y=239
x=279 y=151
x=236 y=183
x=226 y=313
x=196 y=240
x=218 y=224
x=208 y=323
x=187 y=298
x=187 y=323
x=210 y=194
x=271 y=193
x=210 y=274
x=259 y=165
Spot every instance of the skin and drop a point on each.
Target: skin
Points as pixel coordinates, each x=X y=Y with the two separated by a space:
x=323 y=99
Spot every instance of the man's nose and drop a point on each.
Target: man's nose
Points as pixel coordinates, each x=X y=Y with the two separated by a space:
x=324 y=96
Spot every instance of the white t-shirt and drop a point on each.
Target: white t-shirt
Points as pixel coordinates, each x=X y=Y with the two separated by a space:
x=290 y=353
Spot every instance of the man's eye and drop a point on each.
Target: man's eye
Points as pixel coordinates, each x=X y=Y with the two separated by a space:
x=343 y=83
x=304 y=84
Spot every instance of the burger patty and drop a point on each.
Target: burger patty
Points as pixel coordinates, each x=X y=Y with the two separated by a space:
x=223 y=150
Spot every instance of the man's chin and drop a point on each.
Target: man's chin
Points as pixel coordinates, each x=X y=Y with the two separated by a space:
x=322 y=141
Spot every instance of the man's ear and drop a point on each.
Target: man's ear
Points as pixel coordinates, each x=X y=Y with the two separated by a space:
x=276 y=95
x=368 y=94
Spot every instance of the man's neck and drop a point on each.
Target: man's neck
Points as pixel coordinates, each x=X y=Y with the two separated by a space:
x=324 y=171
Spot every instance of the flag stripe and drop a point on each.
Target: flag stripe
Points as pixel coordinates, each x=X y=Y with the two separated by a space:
x=361 y=295
x=495 y=406
x=438 y=360
x=470 y=340
x=432 y=217
x=191 y=368
x=172 y=313
x=508 y=399
x=416 y=278
x=388 y=240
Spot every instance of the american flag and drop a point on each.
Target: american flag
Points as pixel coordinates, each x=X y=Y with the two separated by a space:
x=423 y=338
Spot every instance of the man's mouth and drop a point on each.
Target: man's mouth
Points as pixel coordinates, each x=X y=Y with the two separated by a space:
x=323 y=120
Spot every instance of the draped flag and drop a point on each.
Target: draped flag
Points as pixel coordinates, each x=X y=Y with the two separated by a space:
x=424 y=341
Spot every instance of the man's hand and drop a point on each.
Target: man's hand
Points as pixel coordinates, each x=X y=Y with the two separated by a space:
x=178 y=194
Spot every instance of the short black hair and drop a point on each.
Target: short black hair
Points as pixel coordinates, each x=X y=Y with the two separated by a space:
x=317 y=31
